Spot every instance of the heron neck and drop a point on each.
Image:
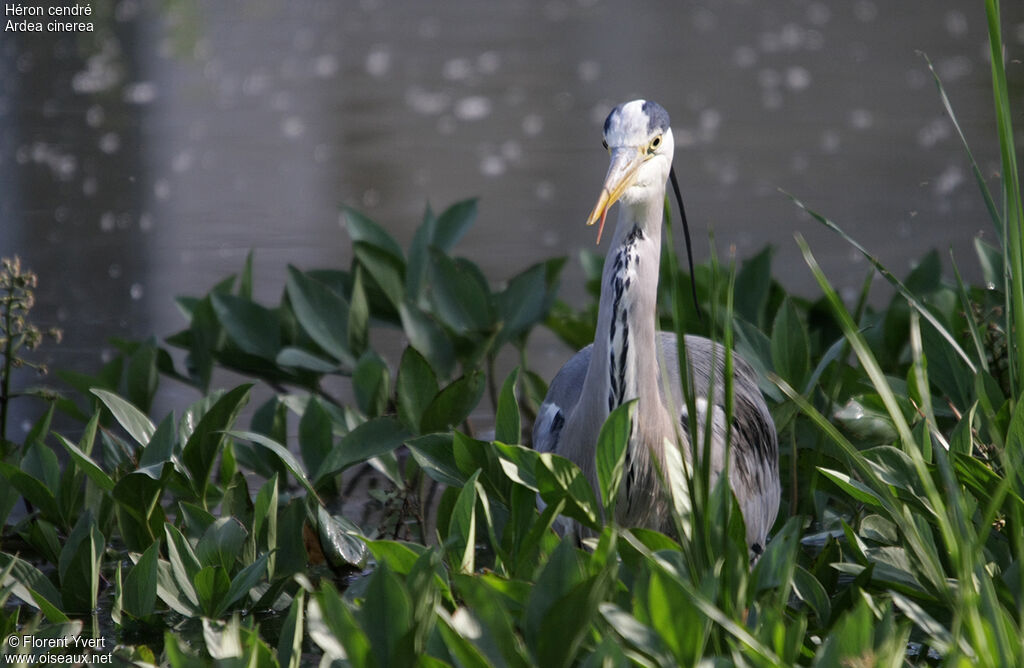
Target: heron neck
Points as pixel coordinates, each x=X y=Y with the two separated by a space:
x=624 y=362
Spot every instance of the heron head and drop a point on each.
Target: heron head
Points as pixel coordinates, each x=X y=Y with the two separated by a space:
x=638 y=136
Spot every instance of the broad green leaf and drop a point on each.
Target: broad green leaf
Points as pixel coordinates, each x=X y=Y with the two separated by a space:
x=611 y=453
x=30 y=585
x=522 y=303
x=506 y=420
x=139 y=595
x=134 y=421
x=254 y=328
x=183 y=561
x=753 y=283
x=211 y=584
x=286 y=457
x=334 y=628
x=207 y=439
x=87 y=465
x=461 y=539
x=79 y=565
x=316 y=434
x=242 y=583
x=298 y=358
x=557 y=479
x=371 y=381
x=363 y=230
x=453 y=404
x=856 y=489
x=358 y=316
x=221 y=543
x=368 y=440
x=289 y=645
x=386 y=617
x=452 y=223
x=322 y=313
x=384 y=270
x=427 y=336
x=340 y=540
x=35 y=491
x=416 y=388
x=790 y=345
x=460 y=296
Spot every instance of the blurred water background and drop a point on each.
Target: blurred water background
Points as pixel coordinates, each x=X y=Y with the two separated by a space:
x=144 y=160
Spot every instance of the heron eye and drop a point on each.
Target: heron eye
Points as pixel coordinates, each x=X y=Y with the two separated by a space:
x=655 y=143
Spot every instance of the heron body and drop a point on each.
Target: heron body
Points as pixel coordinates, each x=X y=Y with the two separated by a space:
x=630 y=359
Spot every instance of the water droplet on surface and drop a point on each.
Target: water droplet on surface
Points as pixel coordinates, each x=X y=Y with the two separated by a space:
x=136 y=291
x=114 y=270
x=456 y=69
x=492 y=165
x=472 y=108
x=110 y=143
x=293 y=127
x=326 y=66
x=533 y=124
x=107 y=221
x=378 y=61
x=956 y=23
x=798 y=78
x=744 y=56
x=140 y=92
x=589 y=70
x=861 y=119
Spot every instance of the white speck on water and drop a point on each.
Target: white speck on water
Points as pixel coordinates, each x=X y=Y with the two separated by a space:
x=550 y=238
x=953 y=68
x=771 y=99
x=110 y=143
x=114 y=271
x=684 y=137
x=107 y=221
x=829 y=142
x=704 y=20
x=145 y=221
x=818 y=13
x=94 y=116
x=182 y=161
x=865 y=11
x=949 y=180
x=255 y=83
x=861 y=119
x=426 y=102
x=533 y=124
x=472 y=108
x=136 y=291
x=140 y=92
x=769 y=78
x=378 y=61
x=446 y=125
x=325 y=65
x=791 y=37
x=161 y=189
x=293 y=127
x=26 y=426
x=956 y=23
x=933 y=133
x=322 y=153
x=429 y=28
x=371 y=197
x=798 y=78
x=492 y=165
x=511 y=150
x=589 y=71
x=456 y=69
x=710 y=121
x=744 y=57
x=544 y=191
x=904 y=229
x=488 y=62
x=90 y=185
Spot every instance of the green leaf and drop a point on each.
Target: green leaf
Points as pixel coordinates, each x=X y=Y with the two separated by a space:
x=246 y=579
x=523 y=302
x=211 y=584
x=322 y=313
x=417 y=386
x=363 y=230
x=134 y=421
x=426 y=336
x=30 y=585
x=254 y=328
x=370 y=383
x=558 y=479
x=87 y=465
x=452 y=224
x=139 y=595
x=340 y=540
x=460 y=296
x=386 y=617
x=454 y=403
x=289 y=645
x=286 y=457
x=183 y=561
x=79 y=565
x=316 y=434
x=790 y=345
x=384 y=270
x=35 y=491
x=611 y=453
x=298 y=358
x=370 y=439
x=207 y=439
x=506 y=421
x=221 y=543
x=753 y=282
x=358 y=316
x=461 y=539
x=334 y=628
x=856 y=489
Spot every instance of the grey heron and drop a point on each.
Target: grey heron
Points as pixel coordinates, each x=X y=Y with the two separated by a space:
x=628 y=356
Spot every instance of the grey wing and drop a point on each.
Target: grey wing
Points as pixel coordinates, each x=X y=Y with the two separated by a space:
x=562 y=397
